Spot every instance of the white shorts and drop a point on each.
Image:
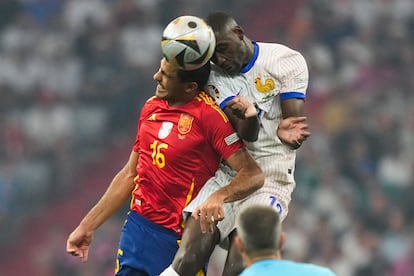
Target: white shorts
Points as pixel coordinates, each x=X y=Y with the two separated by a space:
x=223 y=177
x=271 y=194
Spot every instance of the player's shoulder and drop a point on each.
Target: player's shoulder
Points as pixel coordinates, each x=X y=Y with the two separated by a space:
x=315 y=270
x=289 y=267
x=150 y=106
x=319 y=270
x=205 y=102
x=208 y=108
x=275 y=46
x=221 y=84
x=218 y=74
x=279 y=50
x=152 y=100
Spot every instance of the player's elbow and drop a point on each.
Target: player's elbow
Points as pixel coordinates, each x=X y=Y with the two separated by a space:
x=257 y=179
x=248 y=128
x=260 y=180
x=249 y=136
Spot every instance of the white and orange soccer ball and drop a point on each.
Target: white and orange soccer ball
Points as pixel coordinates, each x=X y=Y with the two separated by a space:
x=188 y=42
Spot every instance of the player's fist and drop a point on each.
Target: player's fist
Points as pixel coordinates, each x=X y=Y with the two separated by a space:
x=241 y=107
x=78 y=243
x=210 y=212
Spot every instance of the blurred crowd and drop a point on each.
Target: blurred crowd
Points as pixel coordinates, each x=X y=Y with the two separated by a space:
x=74 y=74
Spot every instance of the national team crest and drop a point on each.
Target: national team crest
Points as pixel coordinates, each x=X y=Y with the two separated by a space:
x=165 y=129
x=185 y=123
x=264 y=84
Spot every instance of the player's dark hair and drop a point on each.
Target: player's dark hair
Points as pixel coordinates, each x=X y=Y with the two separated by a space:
x=219 y=21
x=259 y=229
x=200 y=75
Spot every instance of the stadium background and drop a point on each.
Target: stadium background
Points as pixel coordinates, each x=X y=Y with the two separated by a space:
x=74 y=74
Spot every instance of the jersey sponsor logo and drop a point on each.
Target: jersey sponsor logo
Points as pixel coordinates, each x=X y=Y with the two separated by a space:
x=165 y=129
x=264 y=85
x=152 y=117
x=151 y=98
x=300 y=80
x=301 y=83
x=185 y=123
x=232 y=138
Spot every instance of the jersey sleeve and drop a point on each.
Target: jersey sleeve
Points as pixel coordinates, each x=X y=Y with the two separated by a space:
x=221 y=133
x=294 y=77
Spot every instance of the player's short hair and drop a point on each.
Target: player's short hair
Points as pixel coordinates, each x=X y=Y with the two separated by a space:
x=220 y=21
x=259 y=228
x=200 y=75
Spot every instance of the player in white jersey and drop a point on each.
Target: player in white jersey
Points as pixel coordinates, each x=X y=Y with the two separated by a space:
x=274 y=78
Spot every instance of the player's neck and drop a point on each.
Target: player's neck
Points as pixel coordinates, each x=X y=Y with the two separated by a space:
x=180 y=102
x=249 y=50
x=274 y=256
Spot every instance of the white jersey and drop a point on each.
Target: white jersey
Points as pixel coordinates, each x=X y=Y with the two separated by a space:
x=275 y=73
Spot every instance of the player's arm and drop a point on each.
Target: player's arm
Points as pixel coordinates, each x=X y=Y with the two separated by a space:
x=242 y=113
x=243 y=117
x=293 y=129
x=115 y=196
x=248 y=179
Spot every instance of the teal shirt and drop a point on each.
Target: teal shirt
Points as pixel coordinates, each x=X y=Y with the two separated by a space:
x=283 y=267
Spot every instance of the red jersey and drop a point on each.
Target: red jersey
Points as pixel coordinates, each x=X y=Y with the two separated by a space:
x=179 y=148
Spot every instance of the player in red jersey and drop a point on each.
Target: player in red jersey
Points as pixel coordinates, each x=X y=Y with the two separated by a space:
x=182 y=137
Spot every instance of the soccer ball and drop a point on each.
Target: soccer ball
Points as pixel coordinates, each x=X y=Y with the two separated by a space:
x=188 y=42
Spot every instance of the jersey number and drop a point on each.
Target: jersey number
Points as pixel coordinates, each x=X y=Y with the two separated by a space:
x=275 y=204
x=158 y=158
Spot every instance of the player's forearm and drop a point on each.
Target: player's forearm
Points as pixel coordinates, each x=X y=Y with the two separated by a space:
x=113 y=199
x=243 y=116
x=243 y=184
x=248 y=128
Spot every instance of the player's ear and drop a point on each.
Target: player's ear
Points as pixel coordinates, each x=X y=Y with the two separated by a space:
x=282 y=240
x=239 y=244
x=239 y=32
x=191 y=87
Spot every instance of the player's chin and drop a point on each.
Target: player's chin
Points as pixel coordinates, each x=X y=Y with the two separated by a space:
x=161 y=94
x=232 y=69
x=229 y=69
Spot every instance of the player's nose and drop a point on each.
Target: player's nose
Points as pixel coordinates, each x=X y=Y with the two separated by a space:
x=156 y=75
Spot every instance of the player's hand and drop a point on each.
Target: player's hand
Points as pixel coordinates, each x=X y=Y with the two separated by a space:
x=293 y=131
x=210 y=213
x=241 y=107
x=78 y=243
